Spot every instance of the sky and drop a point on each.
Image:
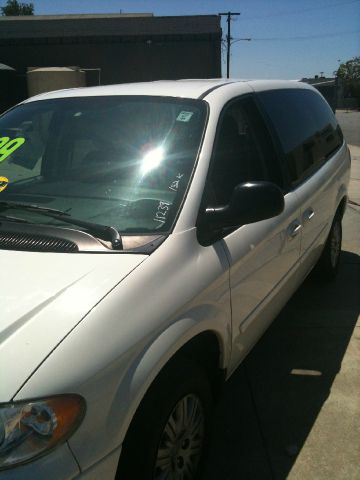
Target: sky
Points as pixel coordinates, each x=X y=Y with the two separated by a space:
x=290 y=39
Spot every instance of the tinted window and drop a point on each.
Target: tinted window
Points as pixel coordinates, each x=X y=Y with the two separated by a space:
x=306 y=126
x=243 y=152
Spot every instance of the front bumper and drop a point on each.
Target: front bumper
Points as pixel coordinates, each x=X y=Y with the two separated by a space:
x=57 y=465
x=61 y=465
x=105 y=469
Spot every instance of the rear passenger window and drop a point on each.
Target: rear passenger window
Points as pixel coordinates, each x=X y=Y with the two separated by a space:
x=307 y=129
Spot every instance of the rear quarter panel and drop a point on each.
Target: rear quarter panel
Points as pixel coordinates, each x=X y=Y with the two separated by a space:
x=322 y=193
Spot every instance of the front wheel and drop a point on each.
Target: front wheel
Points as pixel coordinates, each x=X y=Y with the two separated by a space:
x=168 y=435
x=330 y=258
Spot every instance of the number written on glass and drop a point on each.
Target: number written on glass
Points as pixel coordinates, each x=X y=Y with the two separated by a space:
x=161 y=212
x=7 y=146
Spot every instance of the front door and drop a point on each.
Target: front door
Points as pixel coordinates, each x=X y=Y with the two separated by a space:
x=263 y=256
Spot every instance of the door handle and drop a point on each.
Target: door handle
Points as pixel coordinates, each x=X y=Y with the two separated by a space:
x=294 y=229
x=309 y=214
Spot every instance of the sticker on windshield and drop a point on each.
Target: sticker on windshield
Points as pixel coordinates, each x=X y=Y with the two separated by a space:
x=4 y=182
x=184 y=116
x=7 y=146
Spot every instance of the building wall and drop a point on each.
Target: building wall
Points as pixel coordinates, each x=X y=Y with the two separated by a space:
x=125 y=48
x=121 y=62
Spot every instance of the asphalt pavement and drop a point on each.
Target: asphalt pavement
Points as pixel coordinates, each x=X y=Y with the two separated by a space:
x=292 y=409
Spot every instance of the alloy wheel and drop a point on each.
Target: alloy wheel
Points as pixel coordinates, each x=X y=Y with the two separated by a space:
x=181 y=442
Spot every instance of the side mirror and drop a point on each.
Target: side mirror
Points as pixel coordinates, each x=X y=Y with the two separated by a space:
x=250 y=203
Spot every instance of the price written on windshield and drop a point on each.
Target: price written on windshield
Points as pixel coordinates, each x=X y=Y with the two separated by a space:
x=8 y=146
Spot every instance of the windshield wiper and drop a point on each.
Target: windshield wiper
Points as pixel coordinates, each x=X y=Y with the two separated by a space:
x=96 y=228
x=13 y=219
x=31 y=207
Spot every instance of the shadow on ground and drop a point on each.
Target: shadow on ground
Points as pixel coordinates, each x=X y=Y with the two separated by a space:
x=271 y=403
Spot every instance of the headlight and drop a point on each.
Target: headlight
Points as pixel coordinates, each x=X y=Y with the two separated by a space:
x=29 y=429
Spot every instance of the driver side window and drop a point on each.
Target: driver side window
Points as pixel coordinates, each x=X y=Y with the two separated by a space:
x=243 y=152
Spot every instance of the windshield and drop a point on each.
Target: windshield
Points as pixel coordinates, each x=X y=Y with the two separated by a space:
x=120 y=161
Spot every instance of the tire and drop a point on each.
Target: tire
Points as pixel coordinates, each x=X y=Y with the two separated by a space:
x=170 y=430
x=328 y=265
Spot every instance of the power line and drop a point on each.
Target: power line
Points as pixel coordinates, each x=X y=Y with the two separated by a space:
x=306 y=37
x=234 y=40
x=305 y=10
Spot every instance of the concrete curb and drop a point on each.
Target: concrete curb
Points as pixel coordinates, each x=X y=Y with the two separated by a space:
x=354 y=186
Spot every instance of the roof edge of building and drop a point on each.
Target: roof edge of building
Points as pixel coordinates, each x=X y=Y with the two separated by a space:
x=95 y=16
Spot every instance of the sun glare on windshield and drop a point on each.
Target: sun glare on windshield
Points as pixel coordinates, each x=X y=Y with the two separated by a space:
x=152 y=160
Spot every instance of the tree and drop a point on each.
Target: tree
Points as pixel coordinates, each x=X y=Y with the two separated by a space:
x=15 y=8
x=349 y=72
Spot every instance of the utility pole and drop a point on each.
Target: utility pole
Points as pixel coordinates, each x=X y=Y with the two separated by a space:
x=228 y=38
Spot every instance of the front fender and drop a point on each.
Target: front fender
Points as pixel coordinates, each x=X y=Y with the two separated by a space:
x=153 y=357
x=113 y=355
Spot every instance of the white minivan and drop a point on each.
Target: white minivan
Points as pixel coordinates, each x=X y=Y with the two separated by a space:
x=149 y=234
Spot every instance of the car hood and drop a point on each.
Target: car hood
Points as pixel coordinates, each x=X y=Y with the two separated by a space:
x=43 y=296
